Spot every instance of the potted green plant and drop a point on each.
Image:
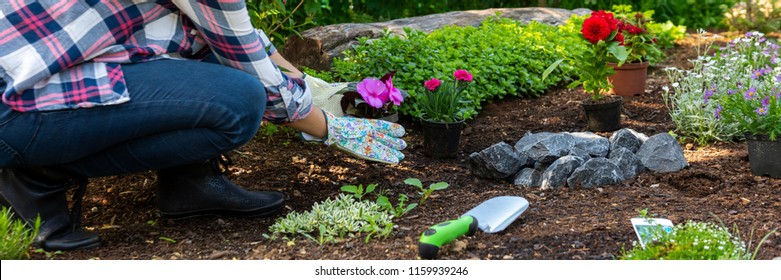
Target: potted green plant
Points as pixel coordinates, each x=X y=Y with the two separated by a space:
x=600 y=30
x=629 y=79
x=372 y=98
x=440 y=106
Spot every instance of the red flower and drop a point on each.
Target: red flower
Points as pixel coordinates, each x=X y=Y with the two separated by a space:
x=462 y=75
x=595 y=29
x=432 y=84
x=635 y=30
x=619 y=38
x=611 y=21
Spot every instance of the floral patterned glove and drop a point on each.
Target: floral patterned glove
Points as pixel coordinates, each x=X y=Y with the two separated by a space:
x=367 y=139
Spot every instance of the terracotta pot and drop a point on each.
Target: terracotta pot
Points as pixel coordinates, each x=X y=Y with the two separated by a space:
x=629 y=79
x=763 y=155
x=440 y=140
x=604 y=115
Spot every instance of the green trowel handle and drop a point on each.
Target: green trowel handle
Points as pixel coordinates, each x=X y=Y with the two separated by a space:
x=436 y=236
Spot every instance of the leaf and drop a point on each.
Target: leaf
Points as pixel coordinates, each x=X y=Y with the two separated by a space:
x=383 y=201
x=414 y=181
x=388 y=76
x=349 y=188
x=439 y=186
x=410 y=207
x=550 y=69
x=619 y=52
x=370 y=188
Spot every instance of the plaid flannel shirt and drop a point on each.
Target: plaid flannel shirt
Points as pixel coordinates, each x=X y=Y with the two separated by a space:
x=68 y=54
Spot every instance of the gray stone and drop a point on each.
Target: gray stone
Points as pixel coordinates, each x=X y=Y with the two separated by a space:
x=317 y=47
x=580 y=153
x=528 y=177
x=496 y=162
x=595 y=172
x=595 y=145
x=661 y=153
x=557 y=173
x=550 y=148
x=627 y=138
x=629 y=164
x=529 y=139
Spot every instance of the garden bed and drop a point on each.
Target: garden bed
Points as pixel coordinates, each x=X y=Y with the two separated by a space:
x=559 y=224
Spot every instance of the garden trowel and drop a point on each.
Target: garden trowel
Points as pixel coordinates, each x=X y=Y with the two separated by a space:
x=491 y=216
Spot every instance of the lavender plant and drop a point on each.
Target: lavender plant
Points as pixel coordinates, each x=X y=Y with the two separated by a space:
x=705 y=101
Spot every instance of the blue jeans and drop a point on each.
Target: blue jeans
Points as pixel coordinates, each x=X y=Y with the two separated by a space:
x=180 y=112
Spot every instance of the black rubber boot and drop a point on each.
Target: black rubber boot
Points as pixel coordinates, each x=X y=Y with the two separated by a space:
x=202 y=189
x=34 y=192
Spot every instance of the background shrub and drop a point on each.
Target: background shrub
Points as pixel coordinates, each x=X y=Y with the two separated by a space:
x=506 y=58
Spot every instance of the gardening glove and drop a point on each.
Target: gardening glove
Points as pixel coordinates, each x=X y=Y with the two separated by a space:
x=368 y=139
x=324 y=94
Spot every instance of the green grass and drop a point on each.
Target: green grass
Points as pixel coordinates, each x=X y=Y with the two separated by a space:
x=16 y=236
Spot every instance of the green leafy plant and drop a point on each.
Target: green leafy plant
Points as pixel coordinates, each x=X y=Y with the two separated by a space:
x=359 y=191
x=278 y=20
x=513 y=57
x=401 y=207
x=333 y=219
x=16 y=236
x=693 y=241
x=425 y=192
x=667 y=33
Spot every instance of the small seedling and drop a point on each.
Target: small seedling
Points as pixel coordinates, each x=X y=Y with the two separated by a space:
x=358 y=191
x=167 y=239
x=400 y=208
x=426 y=192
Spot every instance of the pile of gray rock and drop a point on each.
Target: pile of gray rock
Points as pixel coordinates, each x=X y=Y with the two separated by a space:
x=581 y=159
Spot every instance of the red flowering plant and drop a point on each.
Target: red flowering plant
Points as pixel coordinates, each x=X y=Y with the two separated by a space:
x=443 y=101
x=601 y=31
x=639 y=42
x=372 y=98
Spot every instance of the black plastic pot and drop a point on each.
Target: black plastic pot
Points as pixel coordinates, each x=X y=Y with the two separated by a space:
x=605 y=115
x=764 y=155
x=440 y=140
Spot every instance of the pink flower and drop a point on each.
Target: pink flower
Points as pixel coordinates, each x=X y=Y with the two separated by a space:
x=393 y=93
x=462 y=75
x=373 y=91
x=432 y=84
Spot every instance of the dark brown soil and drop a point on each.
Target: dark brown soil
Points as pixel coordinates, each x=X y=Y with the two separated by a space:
x=562 y=224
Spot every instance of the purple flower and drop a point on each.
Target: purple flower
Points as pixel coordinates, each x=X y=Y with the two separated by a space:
x=762 y=111
x=748 y=34
x=731 y=91
x=717 y=113
x=778 y=78
x=709 y=93
x=373 y=91
x=756 y=74
x=393 y=93
x=751 y=93
x=766 y=102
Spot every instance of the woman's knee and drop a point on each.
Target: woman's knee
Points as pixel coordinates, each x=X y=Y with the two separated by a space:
x=248 y=102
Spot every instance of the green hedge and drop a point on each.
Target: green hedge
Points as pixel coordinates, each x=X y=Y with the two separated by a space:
x=507 y=58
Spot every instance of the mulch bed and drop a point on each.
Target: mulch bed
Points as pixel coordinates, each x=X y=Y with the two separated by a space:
x=567 y=224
